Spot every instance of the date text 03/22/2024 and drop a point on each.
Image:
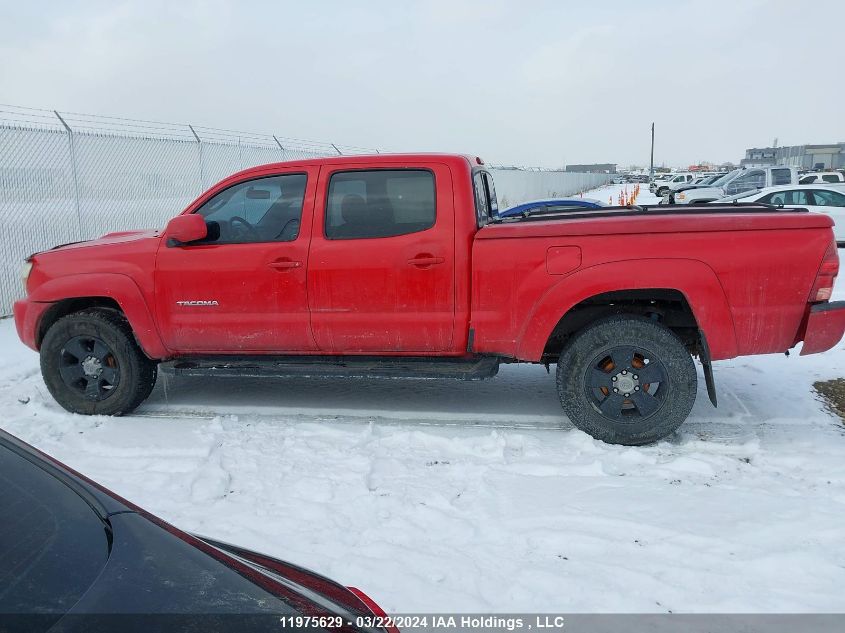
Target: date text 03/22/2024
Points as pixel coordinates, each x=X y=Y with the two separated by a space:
x=444 y=622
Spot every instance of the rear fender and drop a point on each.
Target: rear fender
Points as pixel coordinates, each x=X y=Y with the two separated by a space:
x=115 y=286
x=692 y=278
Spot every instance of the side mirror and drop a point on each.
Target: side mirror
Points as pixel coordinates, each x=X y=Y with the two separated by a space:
x=184 y=229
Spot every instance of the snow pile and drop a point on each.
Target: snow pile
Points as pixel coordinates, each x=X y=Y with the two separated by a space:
x=441 y=495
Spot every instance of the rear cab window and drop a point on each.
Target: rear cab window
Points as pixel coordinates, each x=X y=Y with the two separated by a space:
x=781 y=177
x=486 y=203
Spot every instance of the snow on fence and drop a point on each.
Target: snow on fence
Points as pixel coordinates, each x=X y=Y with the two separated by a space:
x=69 y=177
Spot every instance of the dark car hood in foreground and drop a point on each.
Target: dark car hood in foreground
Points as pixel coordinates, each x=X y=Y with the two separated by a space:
x=148 y=575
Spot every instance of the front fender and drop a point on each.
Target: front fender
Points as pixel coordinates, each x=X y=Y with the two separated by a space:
x=694 y=279
x=115 y=286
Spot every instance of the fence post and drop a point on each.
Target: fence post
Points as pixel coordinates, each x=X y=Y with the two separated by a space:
x=199 y=152
x=72 y=148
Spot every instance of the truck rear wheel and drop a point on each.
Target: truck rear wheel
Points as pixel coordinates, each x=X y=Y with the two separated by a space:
x=92 y=364
x=626 y=380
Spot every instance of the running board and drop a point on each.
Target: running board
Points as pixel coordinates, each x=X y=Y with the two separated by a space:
x=475 y=368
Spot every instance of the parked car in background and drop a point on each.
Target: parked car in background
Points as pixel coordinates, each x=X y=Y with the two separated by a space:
x=704 y=181
x=555 y=204
x=707 y=180
x=820 y=177
x=675 y=180
x=698 y=181
x=737 y=181
x=827 y=199
x=658 y=180
x=76 y=555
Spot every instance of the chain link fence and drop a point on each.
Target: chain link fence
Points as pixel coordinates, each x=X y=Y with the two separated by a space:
x=66 y=177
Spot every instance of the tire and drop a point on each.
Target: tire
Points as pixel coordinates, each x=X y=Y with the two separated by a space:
x=588 y=371
x=662 y=192
x=92 y=364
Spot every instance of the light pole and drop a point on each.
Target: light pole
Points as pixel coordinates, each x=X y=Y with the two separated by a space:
x=651 y=163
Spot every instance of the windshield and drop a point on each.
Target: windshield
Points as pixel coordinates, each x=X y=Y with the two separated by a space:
x=727 y=178
x=53 y=545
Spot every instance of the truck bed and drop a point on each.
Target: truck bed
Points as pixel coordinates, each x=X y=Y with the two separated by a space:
x=745 y=270
x=639 y=219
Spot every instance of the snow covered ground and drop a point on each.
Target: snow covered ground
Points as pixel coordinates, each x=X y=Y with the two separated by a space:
x=481 y=496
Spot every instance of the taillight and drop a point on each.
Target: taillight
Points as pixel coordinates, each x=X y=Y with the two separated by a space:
x=373 y=606
x=826 y=277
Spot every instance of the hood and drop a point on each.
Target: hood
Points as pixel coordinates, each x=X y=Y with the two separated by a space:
x=119 y=237
x=688 y=187
x=706 y=189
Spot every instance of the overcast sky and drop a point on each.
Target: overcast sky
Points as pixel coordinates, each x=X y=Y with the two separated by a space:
x=518 y=82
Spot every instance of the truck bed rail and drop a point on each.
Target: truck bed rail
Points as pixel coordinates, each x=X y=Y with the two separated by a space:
x=645 y=210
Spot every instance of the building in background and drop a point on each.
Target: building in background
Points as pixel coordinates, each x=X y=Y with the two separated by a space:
x=829 y=156
x=596 y=168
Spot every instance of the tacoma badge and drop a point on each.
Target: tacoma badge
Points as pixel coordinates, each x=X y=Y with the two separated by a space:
x=200 y=302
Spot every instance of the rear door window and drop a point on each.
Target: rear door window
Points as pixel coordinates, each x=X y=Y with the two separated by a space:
x=831 y=178
x=825 y=198
x=379 y=203
x=788 y=198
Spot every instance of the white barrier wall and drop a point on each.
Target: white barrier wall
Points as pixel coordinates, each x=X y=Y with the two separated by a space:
x=515 y=186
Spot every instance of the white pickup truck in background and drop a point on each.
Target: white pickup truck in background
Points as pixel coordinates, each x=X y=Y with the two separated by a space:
x=732 y=183
x=662 y=187
x=822 y=177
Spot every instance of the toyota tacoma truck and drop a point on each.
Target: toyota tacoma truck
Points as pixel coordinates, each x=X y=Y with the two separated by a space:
x=399 y=266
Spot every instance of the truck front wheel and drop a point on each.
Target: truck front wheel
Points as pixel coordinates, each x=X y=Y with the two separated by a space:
x=626 y=380
x=92 y=364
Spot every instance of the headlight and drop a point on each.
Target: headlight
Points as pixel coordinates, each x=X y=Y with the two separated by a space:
x=680 y=196
x=25 y=270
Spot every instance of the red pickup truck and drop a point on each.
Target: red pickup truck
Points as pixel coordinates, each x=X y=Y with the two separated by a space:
x=399 y=266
